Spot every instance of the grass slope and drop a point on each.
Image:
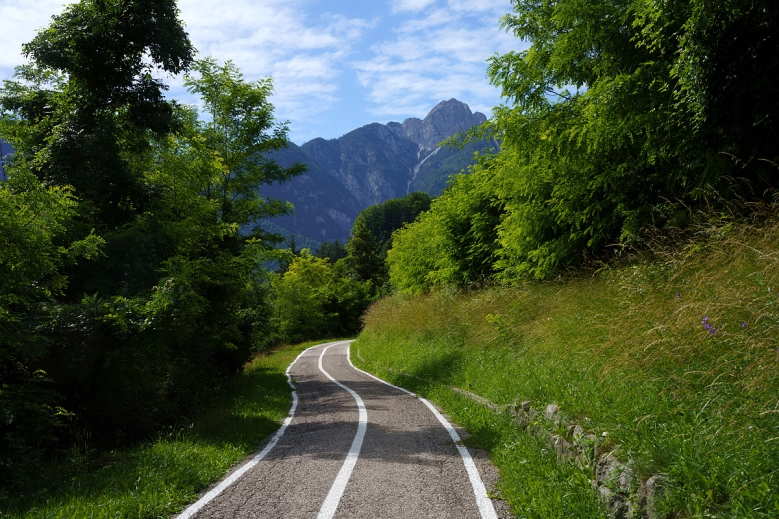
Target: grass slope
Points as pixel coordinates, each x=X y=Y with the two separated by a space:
x=158 y=478
x=675 y=359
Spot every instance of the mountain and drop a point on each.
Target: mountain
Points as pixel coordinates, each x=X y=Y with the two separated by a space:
x=368 y=166
x=5 y=149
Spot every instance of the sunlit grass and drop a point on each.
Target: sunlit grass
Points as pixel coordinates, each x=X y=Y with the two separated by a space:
x=626 y=352
x=159 y=478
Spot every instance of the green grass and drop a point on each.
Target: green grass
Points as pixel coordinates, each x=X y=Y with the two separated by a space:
x=622 y=354
x=159 y=478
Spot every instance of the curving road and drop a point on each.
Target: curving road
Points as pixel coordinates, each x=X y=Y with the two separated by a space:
x=354 y=446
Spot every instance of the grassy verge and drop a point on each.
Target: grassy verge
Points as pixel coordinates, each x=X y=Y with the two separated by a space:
x=675 y=359
x=158 y=478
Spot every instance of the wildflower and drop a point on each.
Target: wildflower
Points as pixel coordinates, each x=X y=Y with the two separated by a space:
x=678 y=296
x=743 y=324
x=712 y=330
x=707 y=325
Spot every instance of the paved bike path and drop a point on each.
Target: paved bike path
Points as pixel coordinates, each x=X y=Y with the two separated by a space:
x=407 y=465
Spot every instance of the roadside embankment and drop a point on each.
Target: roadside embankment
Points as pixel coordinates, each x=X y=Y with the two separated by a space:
x=670 y=365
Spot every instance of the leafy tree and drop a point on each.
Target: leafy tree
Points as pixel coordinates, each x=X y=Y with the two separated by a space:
x=452 y=244
x=385 y=218
x=242 y=130
x=617 y=108
x=314 y=299
x=89 y=99
x=34 y=219
x=725 y=55
x=418 y=259
x=142 y=322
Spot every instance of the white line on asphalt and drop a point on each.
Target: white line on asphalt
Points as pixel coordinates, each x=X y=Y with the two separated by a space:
x=200 y=503
x=339 y=485
x=483 y=501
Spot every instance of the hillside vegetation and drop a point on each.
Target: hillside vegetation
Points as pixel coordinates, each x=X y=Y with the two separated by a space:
x=620 y=114
x=672 y=357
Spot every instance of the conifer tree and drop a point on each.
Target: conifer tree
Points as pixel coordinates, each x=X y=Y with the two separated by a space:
x=363 y=260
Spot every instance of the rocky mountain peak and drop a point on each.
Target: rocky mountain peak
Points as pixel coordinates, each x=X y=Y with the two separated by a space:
x=447 y=118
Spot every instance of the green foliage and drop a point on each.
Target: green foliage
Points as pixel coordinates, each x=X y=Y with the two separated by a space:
x=453 y=243
x=315 y=298
x=673 y=356
x=241 y=129
x=327 y=293
x=617 y=108
x=418 y=259
x=157 y=478
x=363 y=261
x=128 y=292
x=333 y=251
x=34 y=219
x=384 y=219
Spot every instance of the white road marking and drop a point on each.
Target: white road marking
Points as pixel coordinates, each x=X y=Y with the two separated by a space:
x=200 y=503
x=486 y=509
x=327 y=511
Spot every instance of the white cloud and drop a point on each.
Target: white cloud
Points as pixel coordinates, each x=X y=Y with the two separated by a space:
x=437 y=55
x=410 y=5
x=304 y=54
x=329 y=68
x=500 y=6
x=19 y=22
x=275 y=38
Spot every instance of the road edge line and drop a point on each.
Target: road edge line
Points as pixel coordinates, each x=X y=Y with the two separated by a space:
x=483 y=501
x=232 y=478
x=330 y=504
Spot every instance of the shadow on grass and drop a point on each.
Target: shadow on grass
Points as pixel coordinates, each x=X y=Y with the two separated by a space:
x=155 y=478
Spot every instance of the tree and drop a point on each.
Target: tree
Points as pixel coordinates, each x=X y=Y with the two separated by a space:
x=455 y=243
x=385 y=218
x=241 y=129
x=363 y=260
x=617 y=109
x=89 y=98
x=314 y=299
x=34 y=219
x=333 y=251
x=143 y=322
x=82 y=117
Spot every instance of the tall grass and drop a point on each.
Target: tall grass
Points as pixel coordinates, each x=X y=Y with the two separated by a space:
x=674 y=357
x=157 y=478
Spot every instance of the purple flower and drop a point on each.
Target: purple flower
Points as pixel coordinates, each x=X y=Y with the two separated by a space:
x=705 y=318
x=678 y=296
x=707 y=326
x=712 y=330
x=743 y=324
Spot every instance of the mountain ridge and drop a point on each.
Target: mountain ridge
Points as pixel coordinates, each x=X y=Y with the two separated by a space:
x=370 y=165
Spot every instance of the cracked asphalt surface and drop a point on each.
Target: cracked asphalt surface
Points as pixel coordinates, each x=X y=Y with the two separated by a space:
x=408 y=466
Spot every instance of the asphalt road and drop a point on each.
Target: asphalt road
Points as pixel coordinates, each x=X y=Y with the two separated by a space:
x=354 y=446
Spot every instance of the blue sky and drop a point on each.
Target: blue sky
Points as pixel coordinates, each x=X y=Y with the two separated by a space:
x=336 y=64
